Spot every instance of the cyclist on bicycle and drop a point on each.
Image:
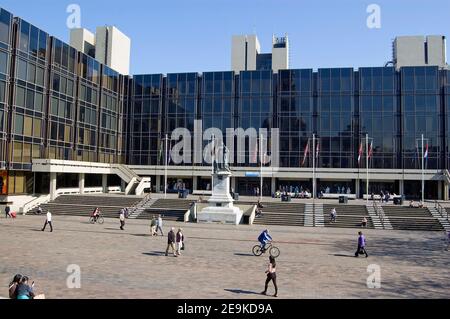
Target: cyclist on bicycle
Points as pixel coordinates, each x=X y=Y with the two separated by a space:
x=96 y=214
x=264 y=238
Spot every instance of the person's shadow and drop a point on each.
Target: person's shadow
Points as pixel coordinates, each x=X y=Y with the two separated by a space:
x=242 y=292
x=155 y=253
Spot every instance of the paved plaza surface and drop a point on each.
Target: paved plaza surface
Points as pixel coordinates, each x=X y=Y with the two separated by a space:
x=217 y=262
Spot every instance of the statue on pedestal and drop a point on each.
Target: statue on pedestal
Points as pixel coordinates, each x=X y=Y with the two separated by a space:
x=224 y=164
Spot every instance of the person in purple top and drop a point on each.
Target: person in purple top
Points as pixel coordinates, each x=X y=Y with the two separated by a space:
x=361 y=245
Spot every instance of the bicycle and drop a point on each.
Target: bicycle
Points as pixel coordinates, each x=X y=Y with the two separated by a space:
x=99 y=220
x=273 y=251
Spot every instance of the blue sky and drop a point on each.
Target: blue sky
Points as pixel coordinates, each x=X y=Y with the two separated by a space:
x=195 y=35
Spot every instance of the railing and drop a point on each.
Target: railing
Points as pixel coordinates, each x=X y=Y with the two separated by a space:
x=34 y=203
x=144 y=201
x=441 y=210
x=379 y=212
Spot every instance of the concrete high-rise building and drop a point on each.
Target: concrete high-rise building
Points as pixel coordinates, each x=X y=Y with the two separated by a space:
x=83 y=40
x=246 y=56
x=420 y=51
x=280 y=53
x=244 y=52
x=109 y=46
x=113 y=48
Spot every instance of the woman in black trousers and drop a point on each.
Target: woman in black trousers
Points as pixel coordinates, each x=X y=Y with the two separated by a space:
x=271 y=276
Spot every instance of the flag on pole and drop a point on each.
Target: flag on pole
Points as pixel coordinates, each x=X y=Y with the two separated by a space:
x=360 y=152
x=255 y=154
x=370 y=150
x=318 y=150
x=305 y=153
x=160 y=156
x=168 y=151
x=425 y=155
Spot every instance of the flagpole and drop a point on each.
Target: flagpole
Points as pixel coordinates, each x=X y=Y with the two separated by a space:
x=261 y=167
x=165 y=167
x=314 y=167
x=367 y=168
x=423 y=176
x=213 y=153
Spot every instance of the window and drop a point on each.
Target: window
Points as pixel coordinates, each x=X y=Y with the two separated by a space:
x=3 y=62
x=30 y=99
x=22 y=69
x=2 y=91
x=31 y=73
x=24 y=35
x=34 y=40
x=17 y=152
x=18 y=124
x=37 y=123
x=42 y=44
x=28 y=126
x=38 y=102
x=40 y=76
x=20 y=96
x=5 y=22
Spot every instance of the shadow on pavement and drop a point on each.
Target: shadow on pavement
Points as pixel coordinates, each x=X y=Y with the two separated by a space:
x=342 y=255
x=242 y=254
x=155 y=253
x=240 y=291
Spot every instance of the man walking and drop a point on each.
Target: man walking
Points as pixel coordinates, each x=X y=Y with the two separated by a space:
x=48 y=221
x=8 y=212
x=153 y=226
x=122 y=219
x=159 y=225
x=361 y=245
x=171 y=242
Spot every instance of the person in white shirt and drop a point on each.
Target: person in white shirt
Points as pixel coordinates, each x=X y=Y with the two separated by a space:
x=122 y=219
x=333 y=215
x=48 y=221
x=159 y=225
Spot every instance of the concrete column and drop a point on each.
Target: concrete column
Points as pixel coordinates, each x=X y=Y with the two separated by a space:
x=446 y=191
x=52 y=186
x=273 y=185
x=105 y=183
x=81 y=182
x=440 y=189
x=194 y=183
x=401 y=186
x=233 y=184
x=158 y=184
x=123 y=185
x=357 y=190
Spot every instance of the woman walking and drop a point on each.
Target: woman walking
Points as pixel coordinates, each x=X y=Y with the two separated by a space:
x=271 y=276
x=180 y=241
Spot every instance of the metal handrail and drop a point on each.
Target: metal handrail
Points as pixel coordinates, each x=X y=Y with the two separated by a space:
x=441 y=210
x=379 y=212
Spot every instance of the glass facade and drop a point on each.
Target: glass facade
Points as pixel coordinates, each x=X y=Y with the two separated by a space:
x=5 y=58
x=58 y=103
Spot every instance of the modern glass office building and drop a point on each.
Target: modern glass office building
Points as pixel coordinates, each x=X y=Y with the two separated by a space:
x=60 y=107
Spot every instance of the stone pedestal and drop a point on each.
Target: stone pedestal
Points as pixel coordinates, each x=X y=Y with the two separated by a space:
x=221 y=208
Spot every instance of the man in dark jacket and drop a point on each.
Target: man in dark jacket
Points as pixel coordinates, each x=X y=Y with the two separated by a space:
x=8 y=211
x=171 y=242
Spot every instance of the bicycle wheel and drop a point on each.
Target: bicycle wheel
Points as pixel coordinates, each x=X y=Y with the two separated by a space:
x=274 y=252
x=100 y=220
x=91 y=220
x=257 y=250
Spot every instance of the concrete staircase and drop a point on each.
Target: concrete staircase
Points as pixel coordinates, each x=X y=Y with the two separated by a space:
x=84 y=205
x=442 y=220
x=283 y=214
x=309 y=215
x=373 y=215
x=169 y=209
x=348 y=216
x=407 y=218
x=146 y=203
x=318 y=215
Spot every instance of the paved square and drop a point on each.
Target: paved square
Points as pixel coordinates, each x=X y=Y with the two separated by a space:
x=217 y=262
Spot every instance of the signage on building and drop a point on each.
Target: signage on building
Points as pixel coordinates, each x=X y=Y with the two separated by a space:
x=252 y=174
